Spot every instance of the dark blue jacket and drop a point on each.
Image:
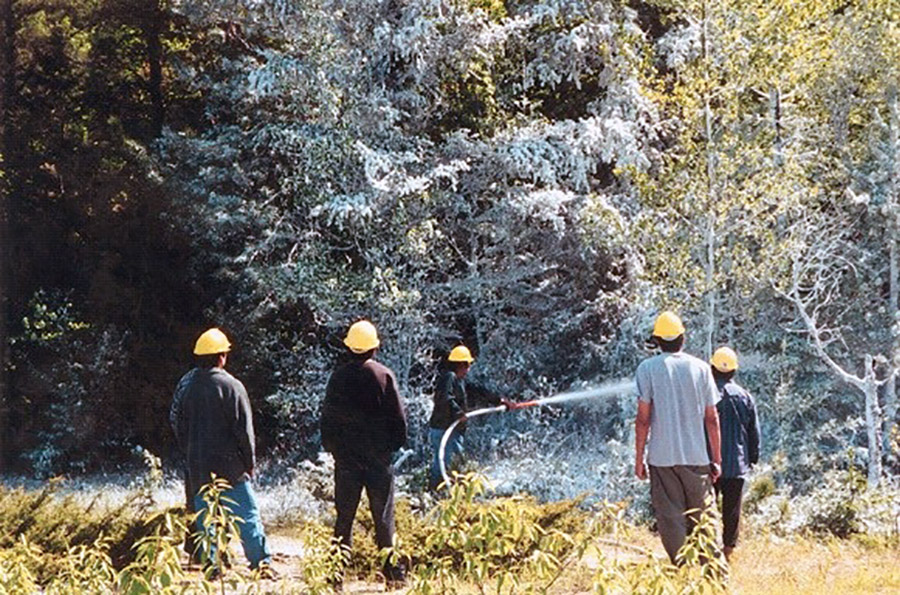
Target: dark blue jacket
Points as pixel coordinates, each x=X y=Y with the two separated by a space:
x=739 y=425
x=450 y=401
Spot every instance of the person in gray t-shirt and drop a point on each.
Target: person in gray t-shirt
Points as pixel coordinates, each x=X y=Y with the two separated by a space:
x=677 y=402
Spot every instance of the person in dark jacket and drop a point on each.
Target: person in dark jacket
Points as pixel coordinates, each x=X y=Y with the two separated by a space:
x=739 y=425
x=450 y=404
x=214 y=426
x=363 y=424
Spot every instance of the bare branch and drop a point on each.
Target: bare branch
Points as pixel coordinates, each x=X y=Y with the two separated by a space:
x=815 y=334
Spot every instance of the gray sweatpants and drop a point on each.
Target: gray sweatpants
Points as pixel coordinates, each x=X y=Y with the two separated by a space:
x=674 y=491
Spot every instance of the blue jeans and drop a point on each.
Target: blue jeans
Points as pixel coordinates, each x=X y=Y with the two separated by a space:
x=452 y=453
x=253 y=536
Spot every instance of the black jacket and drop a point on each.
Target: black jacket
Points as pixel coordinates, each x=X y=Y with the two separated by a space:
x=362 y=414
x=214 y=426
x=450 y=401
x=739 y=426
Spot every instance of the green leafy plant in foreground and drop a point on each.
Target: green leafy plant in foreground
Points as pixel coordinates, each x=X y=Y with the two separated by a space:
x=16 y=568
x=220 y=528
x=85 y=568
x=325 y=559
x=157 y=566
x=513 y=545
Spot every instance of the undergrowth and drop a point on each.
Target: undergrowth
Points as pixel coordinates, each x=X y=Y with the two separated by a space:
x=469 y=540
x=55 y=546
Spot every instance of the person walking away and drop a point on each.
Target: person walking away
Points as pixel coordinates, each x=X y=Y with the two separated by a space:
x=215 y=429
x=450 y=404
x=363 y=424
x=677 y=401
x=739 y=424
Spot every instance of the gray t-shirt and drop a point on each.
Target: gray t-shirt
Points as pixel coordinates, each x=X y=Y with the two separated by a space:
x=679 y=387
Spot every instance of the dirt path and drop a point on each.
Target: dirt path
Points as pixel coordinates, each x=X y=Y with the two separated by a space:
x=287 y=561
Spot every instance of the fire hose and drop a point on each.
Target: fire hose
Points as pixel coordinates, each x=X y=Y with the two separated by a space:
x=510 y=406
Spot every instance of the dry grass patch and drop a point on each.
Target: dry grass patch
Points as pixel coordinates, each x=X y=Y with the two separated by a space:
x=768 y=564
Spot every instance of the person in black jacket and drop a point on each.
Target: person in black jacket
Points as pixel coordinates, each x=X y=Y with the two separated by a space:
x=450 y=404
x=363 y=424
x=739 y=426
x=213 y=422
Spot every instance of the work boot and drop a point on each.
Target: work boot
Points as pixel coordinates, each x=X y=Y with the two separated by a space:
x=337 y=583
x=211 y=572
x=394 y=576
x=266 y=572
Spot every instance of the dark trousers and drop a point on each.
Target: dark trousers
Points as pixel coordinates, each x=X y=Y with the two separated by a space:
x=350 y=477
x=673 y=492
x=732 y=490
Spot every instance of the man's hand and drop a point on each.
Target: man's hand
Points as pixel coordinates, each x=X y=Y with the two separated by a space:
x=715 y=471
x=507 y=403
x=640 y=469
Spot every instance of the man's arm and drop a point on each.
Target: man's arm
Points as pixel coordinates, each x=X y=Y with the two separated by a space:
x=711 y=420
x=641 y=431
x=395 y=414
x=753 y=433
x=243 y=429
x=327 y=422
x=175 y=411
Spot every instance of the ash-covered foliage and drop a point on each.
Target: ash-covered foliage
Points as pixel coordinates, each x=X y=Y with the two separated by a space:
x=349 y=175
x=536 y=179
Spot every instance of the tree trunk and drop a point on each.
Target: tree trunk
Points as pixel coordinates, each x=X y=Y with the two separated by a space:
x=867 y=384
x=711 y=199
x=153 y=26
x=775 y=111
x=893 y=213
x=7 y=94
x=873 y=422
x=710 y=290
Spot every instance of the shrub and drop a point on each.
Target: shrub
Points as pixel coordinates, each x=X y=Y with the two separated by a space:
x=515 y=544
x=17 y=566
x=836 y=507
x=761 y=487
x=324 y=561
x=56 y=526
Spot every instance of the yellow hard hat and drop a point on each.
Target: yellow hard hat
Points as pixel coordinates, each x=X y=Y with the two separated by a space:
x=211 y=342
x=668 y=326
x=460 y=353
x=724 y=360
x=362 y=337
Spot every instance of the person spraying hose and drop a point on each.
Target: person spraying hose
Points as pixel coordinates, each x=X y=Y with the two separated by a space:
x=451 y=407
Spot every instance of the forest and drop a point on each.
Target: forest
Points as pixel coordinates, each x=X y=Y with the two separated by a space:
x=536 y=179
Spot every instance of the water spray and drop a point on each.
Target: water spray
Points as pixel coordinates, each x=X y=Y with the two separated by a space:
x=562 y=398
